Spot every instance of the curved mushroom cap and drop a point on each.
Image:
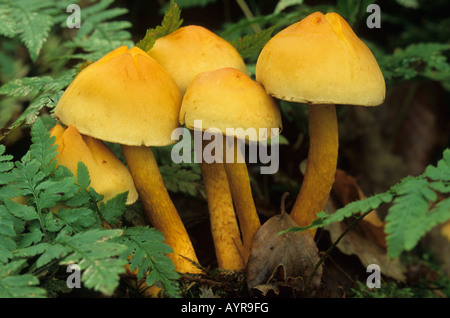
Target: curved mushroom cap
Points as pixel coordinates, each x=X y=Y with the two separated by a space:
x=125 y=97
x=227 y=98
x=320 y=60
x=191 y=50
x=108 y=174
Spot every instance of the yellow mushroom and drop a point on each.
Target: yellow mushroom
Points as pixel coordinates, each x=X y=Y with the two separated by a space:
x=108 y=175
x=126 y=97
x=191 y=50
x=227 y=98
x=320 y=61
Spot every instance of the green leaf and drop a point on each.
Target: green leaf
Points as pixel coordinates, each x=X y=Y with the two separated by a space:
x=185 y=4
x=6 y=166
x=43 y=148
x=83 y=178
x=36 y=29
x=101 y=31
x=415 y=208
x=252 y=44
x=283 y=4
x=30 y=20
x=28 y=86
x=421 y=59
x=112 y=210
x=96 y=253
x=170 y=23
x=13 y=285
x=7 y=245
x=78 y=219
x=179 y=178
x=149 y=256
x=442 y=170
x=21 y=211
x=413 y=4
x=32 y=250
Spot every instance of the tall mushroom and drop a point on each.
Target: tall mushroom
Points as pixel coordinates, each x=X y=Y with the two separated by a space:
x=224 y=99
x=186 y=53
x=126 y=97
x=320 y=61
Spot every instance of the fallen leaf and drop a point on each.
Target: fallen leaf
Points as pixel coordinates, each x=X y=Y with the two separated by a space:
x=368 y=252
x=288 y=258
x=367 y=240
x=346 y=190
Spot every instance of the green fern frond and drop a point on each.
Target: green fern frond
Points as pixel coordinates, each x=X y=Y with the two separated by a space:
x=170 y=23
x=14 y=285
x=57 y=221
x=415 y=209
x=31 y=21
x=252 y=44
x=149 y=257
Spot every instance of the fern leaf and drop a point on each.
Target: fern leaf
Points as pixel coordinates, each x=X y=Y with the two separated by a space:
x=33 y=23
x=36 y=29
x=112 y=210
x=43 y=148
x=97 y=255
x=14 y=285
x=415 y=208
x=283 y=4
x=413 y=4
x=252 y=44
x=149 y=256
x=5 y=167
x=179 y=178
x=170 y=23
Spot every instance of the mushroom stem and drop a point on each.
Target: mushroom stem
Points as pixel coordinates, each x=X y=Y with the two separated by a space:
x=321 y=165
x=159 y=208
x=241 y=192
x=224 y=227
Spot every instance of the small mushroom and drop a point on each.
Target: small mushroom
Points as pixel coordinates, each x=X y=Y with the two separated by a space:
x=320 y=61
x=227 y=98
x=109 y=176
x=126 y=97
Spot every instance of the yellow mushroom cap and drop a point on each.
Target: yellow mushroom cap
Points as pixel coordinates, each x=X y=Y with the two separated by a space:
x=320 y=60
x=108 y=174
x=125 y=97
x=191 y=50
x=227 y=98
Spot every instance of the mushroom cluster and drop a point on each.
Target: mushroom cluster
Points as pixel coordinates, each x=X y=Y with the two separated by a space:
x=137 y=99
x=217 y=90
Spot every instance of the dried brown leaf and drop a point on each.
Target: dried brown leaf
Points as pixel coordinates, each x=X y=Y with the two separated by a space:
x=346 y=190
x=289 y=258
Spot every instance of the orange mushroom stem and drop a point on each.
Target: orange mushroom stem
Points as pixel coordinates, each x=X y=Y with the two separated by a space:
x=320 y=167
x=224 y=226
x=159 y=207
x=240 y=186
